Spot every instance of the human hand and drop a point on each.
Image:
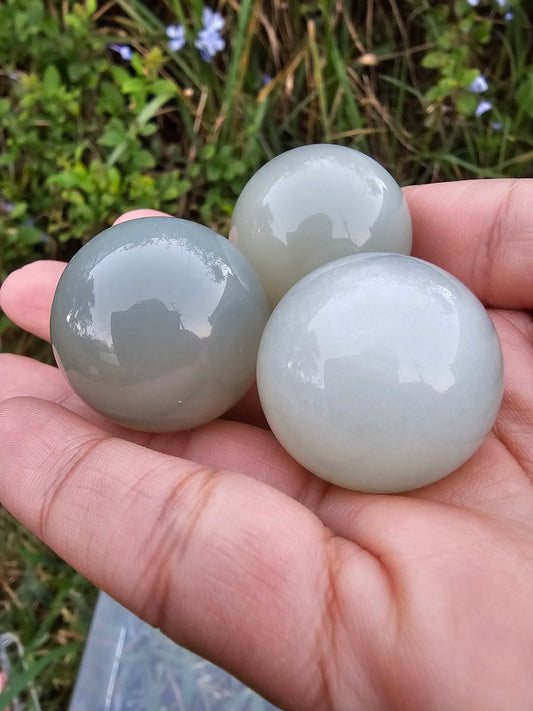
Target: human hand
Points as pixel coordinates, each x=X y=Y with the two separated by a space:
x=319 y=598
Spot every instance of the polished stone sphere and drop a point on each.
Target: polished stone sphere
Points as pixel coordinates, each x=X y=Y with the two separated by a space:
x=314 y=204
x=156 y=324
x=380 y=372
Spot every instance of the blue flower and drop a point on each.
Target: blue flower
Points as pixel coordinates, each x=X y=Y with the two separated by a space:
x=176 y=35
x=473 y=3
x=509 y=16
x=483 y=107
x=479 y=85
x=124 y=51
x=497 y=125
x=501 y=3
x=213 y=21
x=209 y=41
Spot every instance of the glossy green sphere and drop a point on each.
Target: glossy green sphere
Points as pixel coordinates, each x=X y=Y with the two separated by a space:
x=156 y=324
x=380 y=372
x=314 y=204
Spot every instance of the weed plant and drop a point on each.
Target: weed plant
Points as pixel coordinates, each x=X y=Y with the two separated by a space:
x=111 y=105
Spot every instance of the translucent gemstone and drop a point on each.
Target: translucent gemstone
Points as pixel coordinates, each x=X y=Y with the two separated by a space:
x=156 y=324
x=314 y=204
x=380 y=372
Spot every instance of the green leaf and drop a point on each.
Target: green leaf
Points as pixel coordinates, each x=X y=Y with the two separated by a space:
x=194 y=170
x=148 y=129
x=208 y=152
x=51 y=79
x=120 y=75
x=239 y=167
x=164 y=87
x=5 y=107
x=213 y=173
x=172 y=192
x=9 y=157
x=76 y=71
x=19 y=209
x=448 y=85
x=433 y=94
x=435 y=60
x=114 y=134
x=467 y=76
x=137 y=63
x=29 y=235
x=64 y=180
x=465 y=25
x=111 y=99
x=20 y=22
x=466 y=104
x=142 y=160
x=133 y=85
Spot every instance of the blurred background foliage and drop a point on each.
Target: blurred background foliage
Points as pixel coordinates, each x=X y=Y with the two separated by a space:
x=86 y=134
x=108 y=106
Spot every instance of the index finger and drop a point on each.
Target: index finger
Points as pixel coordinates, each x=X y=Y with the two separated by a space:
x=26 y=295
x=481 y=231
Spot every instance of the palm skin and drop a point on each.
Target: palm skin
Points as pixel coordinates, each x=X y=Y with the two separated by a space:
x=320 y=598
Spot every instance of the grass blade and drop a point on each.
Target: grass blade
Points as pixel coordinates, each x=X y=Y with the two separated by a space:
x=19 y=682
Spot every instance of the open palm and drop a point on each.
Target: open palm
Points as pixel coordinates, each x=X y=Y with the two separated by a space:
x=320 y=598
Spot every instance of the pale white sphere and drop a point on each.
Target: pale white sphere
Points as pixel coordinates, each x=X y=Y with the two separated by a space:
x=380 y=372
x=314 y=204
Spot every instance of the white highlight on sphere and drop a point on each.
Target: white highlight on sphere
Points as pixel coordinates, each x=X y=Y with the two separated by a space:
x=380 y=372
x=314 y=204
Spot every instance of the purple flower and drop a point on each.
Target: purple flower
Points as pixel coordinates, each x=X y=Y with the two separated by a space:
x=509 y=16
x=124 y=51
x=479 y=85
x=209 y=41
x=176 y=35
x=473 y=3
x=483 y=107
x=497 y=126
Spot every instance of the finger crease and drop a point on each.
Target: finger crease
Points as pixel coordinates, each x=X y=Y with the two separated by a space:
x=171 y=537
x=67 y=473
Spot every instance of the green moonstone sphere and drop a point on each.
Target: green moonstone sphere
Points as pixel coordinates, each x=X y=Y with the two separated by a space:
x=380 y=372
x=156 y=324
x=314 y=204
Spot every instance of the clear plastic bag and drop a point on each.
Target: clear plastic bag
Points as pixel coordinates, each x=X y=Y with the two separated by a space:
x=129 y=666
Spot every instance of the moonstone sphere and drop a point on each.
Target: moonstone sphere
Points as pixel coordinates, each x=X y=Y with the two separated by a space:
x=156 y=324
x=380 y=372
x=314 y=204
